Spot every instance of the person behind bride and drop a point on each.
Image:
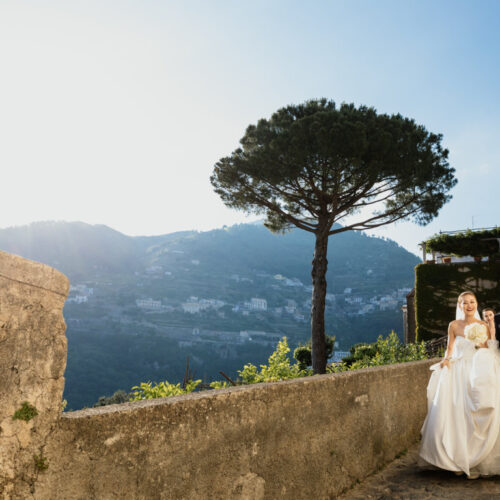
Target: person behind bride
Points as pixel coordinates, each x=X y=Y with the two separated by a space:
x=489 y=316
x=462 y=428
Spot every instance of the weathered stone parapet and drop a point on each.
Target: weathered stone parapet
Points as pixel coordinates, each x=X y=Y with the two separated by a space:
x=303 y=438
x=32 y=364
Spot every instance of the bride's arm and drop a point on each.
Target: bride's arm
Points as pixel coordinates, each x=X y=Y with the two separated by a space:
x=449 y=349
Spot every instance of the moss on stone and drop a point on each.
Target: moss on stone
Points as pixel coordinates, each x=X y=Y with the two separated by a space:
x=26 y=412
x=40 y=462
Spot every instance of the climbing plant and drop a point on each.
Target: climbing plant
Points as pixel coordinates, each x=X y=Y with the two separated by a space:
x=476 y=243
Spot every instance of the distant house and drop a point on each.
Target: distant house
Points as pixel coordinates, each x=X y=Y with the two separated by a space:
x=149 y=304
x=293 y=282
x=354 y=300
x=81 y=290
x=191 y=307
x=347 y=290
x=388 y=303
x=257 y=304
x=78 y=299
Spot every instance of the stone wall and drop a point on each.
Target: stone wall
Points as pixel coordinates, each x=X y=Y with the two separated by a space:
x=32 y=364
x=304 y=438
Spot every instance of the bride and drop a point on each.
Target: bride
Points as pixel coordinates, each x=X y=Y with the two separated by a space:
x=461 y=432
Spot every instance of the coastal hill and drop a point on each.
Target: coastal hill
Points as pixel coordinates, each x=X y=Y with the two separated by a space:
x=81 y=250
x=139 y=306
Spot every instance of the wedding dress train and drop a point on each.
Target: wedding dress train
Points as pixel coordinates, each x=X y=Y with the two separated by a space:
x=462 y=429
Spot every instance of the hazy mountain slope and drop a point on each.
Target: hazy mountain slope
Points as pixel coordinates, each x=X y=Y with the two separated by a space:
x=80 y=249
x=114 y=344
x=249 y=247
x=75 y=248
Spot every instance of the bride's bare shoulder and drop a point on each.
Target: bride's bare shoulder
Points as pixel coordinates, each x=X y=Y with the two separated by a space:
x=453 y=324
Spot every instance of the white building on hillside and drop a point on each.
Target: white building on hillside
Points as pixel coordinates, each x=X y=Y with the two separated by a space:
x=191 y=307
x=78 y=299
x=150 y=304
x=257 y=304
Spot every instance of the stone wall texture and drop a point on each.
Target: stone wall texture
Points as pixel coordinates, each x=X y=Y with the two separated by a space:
x=299 y=439
x=32 y=364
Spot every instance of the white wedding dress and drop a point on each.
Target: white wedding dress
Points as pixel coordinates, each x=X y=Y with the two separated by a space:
x=462 y=429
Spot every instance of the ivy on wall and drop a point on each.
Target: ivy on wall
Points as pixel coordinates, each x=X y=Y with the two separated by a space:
x=475 y=243
x=437 y=287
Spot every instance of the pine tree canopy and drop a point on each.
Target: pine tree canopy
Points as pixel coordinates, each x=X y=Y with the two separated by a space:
x=314 y=164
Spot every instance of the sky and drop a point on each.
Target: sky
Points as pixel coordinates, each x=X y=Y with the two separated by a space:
x=115 y=112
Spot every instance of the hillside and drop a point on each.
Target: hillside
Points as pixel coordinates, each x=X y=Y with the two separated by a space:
x=140 y=305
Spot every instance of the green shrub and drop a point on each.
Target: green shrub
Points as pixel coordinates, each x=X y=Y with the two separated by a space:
x=219 y=384
x=303 y=353
x=117 y=398
x=278 y=367
x=150 y=390
x=382 y=352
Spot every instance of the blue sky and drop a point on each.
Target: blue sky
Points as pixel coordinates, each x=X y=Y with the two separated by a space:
x=115 y=112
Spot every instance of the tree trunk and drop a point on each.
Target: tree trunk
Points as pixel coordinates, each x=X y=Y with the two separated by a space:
x=319 y=267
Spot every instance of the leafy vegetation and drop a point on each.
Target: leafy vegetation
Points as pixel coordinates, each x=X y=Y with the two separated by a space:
x=475 y=243
x=278 y=367
x=303 y=353
x=26 y=412
x=382 y=352
x=117 y=398
x=151 y=390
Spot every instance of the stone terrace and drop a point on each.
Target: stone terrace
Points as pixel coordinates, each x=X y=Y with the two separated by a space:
x=403 y=480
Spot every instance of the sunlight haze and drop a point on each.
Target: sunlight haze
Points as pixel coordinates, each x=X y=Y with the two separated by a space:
x=115 y=112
